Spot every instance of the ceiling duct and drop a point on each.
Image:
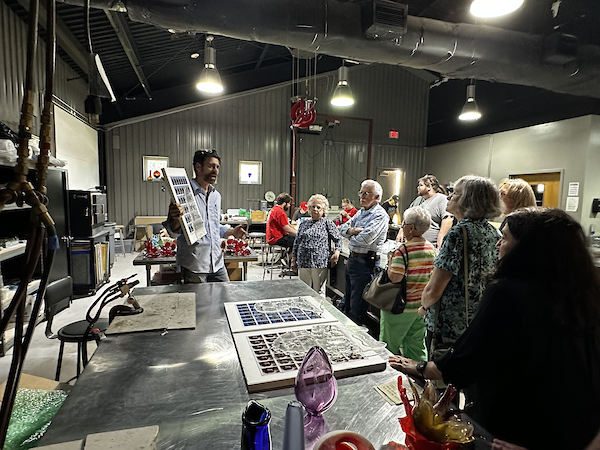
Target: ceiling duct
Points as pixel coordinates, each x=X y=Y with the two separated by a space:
x=385 y=19
x=337 y=28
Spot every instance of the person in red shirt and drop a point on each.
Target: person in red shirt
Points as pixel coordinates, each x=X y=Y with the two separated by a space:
x=348 y=210
x=279 y=230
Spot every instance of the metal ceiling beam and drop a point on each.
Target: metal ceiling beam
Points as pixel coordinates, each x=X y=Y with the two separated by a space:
x=119 y=24
x=65 y=39
x=262 y=56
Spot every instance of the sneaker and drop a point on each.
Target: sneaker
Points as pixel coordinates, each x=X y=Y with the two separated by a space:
x=288 y=273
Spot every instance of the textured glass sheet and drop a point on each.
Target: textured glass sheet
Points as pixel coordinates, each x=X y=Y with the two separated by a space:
x=31 y=416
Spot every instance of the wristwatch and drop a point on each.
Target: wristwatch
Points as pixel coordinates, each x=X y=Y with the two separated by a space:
x=421 y=368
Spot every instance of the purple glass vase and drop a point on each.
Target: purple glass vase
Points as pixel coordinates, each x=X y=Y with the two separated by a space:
x=316 y=386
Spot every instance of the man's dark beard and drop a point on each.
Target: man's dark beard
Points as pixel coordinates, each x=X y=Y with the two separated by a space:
x=286 y=207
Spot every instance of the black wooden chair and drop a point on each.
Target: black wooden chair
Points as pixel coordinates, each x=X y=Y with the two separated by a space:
x=59 y=295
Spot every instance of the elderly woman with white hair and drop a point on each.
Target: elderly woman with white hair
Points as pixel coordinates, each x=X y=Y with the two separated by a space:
x=450 y=299
x=405 y=333
x=312 y=247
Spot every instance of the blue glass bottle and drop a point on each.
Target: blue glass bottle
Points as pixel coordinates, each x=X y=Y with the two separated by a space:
x=256 y=434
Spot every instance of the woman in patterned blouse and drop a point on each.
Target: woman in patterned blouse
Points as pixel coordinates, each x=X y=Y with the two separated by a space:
x=406 y=332
x=311 y=253
x=474 y=200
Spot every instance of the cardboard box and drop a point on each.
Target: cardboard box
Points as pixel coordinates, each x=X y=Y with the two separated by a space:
x=258 y=216
x=33 y=382
x=234 y=271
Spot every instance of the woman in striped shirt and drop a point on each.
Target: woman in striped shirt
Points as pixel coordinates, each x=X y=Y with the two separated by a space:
x=405 y=332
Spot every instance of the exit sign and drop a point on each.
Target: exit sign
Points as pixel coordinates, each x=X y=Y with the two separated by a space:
x=393 y=134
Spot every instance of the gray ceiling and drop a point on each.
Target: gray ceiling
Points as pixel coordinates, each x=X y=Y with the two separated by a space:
x=523 y=76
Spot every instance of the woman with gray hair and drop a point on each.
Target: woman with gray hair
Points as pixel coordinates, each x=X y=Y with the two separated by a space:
x=312 y=247
x=447 y=304
x=405 y=333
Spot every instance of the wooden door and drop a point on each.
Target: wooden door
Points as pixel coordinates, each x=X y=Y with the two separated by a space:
x=546 y=187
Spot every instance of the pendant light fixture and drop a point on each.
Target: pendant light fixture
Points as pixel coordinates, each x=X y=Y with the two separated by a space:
x=210 y=80
x=342 y=96
x=470 y=112
x=487 y=9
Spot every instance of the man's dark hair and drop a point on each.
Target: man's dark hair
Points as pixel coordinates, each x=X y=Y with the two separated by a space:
x=282 y=198
x=201 y=155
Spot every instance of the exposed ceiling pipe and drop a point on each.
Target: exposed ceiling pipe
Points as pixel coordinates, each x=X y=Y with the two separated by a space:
x=335 y=28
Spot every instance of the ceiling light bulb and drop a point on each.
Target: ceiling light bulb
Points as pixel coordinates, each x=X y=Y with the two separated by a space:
x=470 y=111
x=342 y=96
x=210 y=80
x=487 y=9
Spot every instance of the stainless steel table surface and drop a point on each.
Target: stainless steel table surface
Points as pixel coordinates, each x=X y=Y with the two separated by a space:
x=190 y=383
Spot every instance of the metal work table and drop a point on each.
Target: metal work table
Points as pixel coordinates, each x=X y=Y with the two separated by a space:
x=190 y=383
x=141 y=260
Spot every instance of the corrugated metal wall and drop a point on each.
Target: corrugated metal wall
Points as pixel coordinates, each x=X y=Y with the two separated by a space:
x=13 y=54
x=252 y=127
x=255 y=127
x=334 y=162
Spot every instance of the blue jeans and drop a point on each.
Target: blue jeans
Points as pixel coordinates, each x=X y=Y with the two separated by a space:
x=358 y=276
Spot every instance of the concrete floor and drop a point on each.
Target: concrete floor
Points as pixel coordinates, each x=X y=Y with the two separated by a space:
x=42 y=355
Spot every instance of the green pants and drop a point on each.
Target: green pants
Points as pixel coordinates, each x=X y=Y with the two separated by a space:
x=404 y=334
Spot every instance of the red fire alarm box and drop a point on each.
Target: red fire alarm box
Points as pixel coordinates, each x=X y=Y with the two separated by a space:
x=393 y=134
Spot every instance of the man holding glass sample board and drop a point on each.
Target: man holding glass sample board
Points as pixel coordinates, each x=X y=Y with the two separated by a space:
x=203 y=260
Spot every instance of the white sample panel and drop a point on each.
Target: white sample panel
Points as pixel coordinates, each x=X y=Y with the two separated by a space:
x=266 y=367
x=182 y=193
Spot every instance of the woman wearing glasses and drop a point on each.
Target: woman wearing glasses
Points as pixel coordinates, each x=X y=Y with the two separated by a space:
x=451 y=297
x=531 y=356
x=405 y=333
x=312 y=252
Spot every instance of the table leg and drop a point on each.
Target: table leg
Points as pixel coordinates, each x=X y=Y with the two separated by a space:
x=245 y=270
x=148 y=274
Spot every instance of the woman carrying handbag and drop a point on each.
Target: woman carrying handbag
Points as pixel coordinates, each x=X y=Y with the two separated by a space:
x=413 y=261
x=466 y=259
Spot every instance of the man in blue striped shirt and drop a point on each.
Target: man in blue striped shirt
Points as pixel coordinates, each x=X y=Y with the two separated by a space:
x=367 y=231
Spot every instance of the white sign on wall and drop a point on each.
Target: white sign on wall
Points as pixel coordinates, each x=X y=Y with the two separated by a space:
x=153 y=166
x=573 y=189
x=250 y=172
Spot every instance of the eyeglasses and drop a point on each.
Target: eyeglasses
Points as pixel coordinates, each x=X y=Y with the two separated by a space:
x=453 y=194
x=362 y=194
x=404 y=224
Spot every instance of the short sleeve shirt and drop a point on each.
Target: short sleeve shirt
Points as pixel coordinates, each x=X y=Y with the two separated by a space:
x=275 y=223
x=482 y=257
x=436 y=206
x=352 y=212
x=420 y=264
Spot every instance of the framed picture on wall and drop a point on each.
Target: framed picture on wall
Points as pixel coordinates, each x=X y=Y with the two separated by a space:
x=250 y=172
x=153 y=166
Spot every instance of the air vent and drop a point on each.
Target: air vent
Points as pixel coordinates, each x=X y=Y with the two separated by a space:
x=560 y=49
x=385 y=20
